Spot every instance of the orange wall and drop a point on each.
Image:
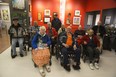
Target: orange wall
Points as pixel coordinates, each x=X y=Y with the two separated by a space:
x=93 y=5
x=54 y=6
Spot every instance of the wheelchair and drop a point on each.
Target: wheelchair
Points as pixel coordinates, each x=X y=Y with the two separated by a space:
x=85 y=54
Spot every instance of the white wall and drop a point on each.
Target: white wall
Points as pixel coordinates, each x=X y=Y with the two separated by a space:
x=6 y=7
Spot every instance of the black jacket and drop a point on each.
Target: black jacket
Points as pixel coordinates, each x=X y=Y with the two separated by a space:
x=102 y=30
x=16 y=31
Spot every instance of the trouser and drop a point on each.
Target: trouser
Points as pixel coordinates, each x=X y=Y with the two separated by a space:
x=93 y=53
x=66 y=51
x=20 y=41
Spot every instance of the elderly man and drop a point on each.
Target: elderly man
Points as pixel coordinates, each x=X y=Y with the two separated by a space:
x=16 y=32
x=100 y=31
x=69 y=45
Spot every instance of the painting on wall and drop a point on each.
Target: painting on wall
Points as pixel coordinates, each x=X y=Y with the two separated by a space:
x=46 y=20
x=77 y=12
x=47 y=12
x=76 y=20
x=18 y=4
x=39 y=16
x=5 y=14
x=107 y=19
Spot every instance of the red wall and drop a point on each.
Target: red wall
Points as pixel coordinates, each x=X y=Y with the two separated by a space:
x=54 y=6
x=71 y=6
x=41 y=5
x=93 y=5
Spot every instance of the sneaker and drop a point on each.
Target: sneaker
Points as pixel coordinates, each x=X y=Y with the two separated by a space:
x=67 y=68
x=21 y=55
x=76 y=67
x=91 y=66
x=13 y=56
x=96 y=65
x=48 y=68
x=41 y=70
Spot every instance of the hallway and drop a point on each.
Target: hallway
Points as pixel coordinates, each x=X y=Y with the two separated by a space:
x=23 y=67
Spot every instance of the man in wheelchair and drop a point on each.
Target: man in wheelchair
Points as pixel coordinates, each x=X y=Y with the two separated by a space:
x=69 y=45
x=91 y=48
x=16 y=32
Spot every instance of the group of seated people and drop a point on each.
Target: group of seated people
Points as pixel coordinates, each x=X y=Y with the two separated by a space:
x=69 y=42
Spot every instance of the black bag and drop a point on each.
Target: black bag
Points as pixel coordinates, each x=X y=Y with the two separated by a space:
x=106 y=43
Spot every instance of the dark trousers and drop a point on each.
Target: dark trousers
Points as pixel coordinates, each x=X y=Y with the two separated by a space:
x=93 y=53
x=67 y=51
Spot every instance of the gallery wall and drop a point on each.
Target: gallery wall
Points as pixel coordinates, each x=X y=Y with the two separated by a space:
x=94 y=5
x=5 y=22
x=54 y=6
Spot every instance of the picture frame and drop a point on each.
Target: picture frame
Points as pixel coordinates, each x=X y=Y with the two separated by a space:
x=107 y=19
x=18 y=4
x=47 y=12
x=47 y=19
x=5 y=15
x=77 y=12
x=76 y=20
x=39 y=16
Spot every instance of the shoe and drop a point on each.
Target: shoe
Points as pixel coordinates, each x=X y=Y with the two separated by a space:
x=96 y=65
x=13 y=56
x=76 y=67
x=91 y=66
x=21 y=55
x=67 y=68
x=48 y=68
x=41 y=70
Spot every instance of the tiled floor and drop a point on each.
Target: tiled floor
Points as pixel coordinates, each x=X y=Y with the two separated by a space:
x=23 y=67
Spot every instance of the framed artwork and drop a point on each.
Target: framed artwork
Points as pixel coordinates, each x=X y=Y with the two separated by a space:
x=5 y=14
x=18 y=4
x=68 y=21
x=46 y=20
x=77 y=12
x=107 y=19
x=76 y=20
x=47 y=12
x=89 y=19
x=39 y=16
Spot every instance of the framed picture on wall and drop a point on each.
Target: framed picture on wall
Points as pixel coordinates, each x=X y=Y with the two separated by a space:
x=77 y=12
x=47 y=19
x=5 y=15
x=76 y=20
x=107 y=19
x=47 y=12
x=39 y=16
x=18 y=4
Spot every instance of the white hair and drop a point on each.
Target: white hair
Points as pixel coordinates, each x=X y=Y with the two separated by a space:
x=42 y=28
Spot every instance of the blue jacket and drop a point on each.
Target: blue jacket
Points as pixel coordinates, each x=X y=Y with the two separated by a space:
x=45 y=39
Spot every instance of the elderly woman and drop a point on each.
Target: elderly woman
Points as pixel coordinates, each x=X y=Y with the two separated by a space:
x=92 y=44
x=52 y=33
x=40 y=53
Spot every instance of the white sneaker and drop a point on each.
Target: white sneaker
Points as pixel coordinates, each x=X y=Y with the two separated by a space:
x=41 y=70
x=96 y=65
x=91 y=66
x=48 y=68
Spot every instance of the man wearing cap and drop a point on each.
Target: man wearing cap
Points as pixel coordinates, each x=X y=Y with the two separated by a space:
x=16 y=32
x=56 y=23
